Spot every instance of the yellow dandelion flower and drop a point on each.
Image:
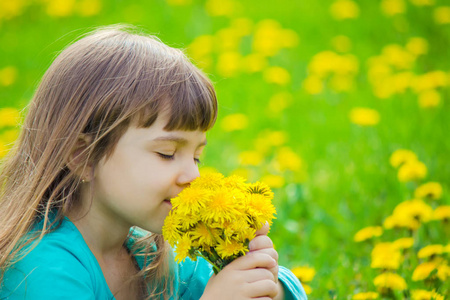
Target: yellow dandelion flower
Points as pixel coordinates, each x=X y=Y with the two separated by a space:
x=228 y=40
x=307 y=288
x=389 y=281
x=402 y=156
x=208 y=180
x=443 y=272
x=401 y=221
x=442 y=15
x=411 y=171
x=393 y=7
x=422 y=2
x=417 y=46
x=227 y=249
x=60 y=8
x=385 y=256
x=229 y=63
x=341 y=83
x=324 y=63
x=415 y=208
x=244 y=233
x=365 y=296
x=222 y=206
x=260 y=208
x=429 y=99
x=341 y=43
x=442 y=213
x=204 y=235
x=279 y=102
x=430 y=251
x=234 y=182
x=313 y=85
x=182 y=249
x=368 y=233
x=274 y=181
x=431 y=190
x=267 y=37
x=344 y=9
x=3 y=149
x=304 y=274
x=260 y=188
x=8 y=75
x=87 y=8
x=402 y=81
x=277 y=75
x=423 y=271
x=364 y=116
x=243 y=26
x=425 y=295
x=179 y=2
x=222 y=7
x=171 y=228
x=254 y=62
x=403 y=243
x=191 y=201
x=287 y=159
x=9 y=117
x=398 y=57
x=234 y=122
x=289 y=38
x=201 y=46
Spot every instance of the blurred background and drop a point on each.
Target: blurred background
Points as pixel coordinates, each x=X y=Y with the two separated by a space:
x=342 y=107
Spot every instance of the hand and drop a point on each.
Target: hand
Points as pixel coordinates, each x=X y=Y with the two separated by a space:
x=246 y=277
x=263 y=244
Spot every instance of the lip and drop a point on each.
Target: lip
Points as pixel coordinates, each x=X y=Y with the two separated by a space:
x=167 y=201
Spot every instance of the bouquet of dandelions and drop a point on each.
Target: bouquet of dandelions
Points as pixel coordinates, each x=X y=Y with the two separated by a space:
x=216 y=217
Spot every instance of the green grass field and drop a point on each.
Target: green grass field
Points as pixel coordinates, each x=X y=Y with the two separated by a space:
x=315 y=97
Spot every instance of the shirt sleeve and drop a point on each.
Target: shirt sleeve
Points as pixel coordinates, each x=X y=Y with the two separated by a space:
x=293 y=290
x=50 y=275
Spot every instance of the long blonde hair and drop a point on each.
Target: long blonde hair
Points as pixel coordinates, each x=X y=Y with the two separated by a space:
x=95 y=87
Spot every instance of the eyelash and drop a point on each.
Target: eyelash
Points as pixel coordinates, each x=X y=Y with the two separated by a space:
x=170 y=157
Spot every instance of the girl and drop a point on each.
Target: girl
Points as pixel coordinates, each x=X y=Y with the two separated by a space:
x=114 y=131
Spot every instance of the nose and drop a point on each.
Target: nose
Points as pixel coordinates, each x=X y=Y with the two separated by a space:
x=188 y=173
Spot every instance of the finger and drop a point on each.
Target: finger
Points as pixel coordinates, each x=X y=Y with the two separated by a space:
x=264 y=230
x=269 y=251
x=262 y=288
x=257 y=274
x=260 y=242
x=253 y=260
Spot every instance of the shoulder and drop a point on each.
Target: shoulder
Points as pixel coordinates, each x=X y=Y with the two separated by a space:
x=58 y=265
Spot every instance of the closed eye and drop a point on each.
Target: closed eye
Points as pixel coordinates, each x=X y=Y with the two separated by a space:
x=166 y=156
x=197 y=161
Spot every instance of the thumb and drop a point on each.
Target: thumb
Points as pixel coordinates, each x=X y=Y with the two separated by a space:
x=264 y=230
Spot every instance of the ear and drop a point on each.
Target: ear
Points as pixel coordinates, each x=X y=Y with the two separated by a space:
x=77 y=161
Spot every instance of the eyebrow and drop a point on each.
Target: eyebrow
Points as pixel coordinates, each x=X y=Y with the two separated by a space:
x=178 y=140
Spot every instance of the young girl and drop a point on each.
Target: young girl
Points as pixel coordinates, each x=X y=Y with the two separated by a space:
x=114 y=131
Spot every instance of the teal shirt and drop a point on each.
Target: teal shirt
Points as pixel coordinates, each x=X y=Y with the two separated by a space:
x=62 y=266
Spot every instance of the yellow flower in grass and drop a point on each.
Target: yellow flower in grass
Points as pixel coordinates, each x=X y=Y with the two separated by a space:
x=385 y=256
x=209 y=180
x=442 y=15
x=393 y=7
x=425 y=295
x=341 y=43
x=389 y=281
x=430 y=251
x=403 y=243
x=183 y=247
x=443 y=272
x=415 y=208
x=431 y=190
x=234 y=122
x=274 y=181
x=429 y=99
x=417 y=46
x=307 y=288
x=365 y=296
x=401 y=221
x=364 y=116
x=304 y=274
x=9 y=117
x=368 y=233
x=402 y=156
x=423 y=271
x=250 y=158
x=277 y=75
x=254 y=62
x=411 y=171
x=8 y=75
x=313 y=85
x=227 y=249
x=344 y=9
x=287 y=159
x=442 y=213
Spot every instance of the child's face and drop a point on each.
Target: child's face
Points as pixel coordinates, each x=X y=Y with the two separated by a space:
x=147 y=168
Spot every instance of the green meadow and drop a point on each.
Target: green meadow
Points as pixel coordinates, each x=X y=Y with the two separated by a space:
x=342 y=107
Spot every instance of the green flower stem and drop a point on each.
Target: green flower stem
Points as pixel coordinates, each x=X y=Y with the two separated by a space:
x=216 y=269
